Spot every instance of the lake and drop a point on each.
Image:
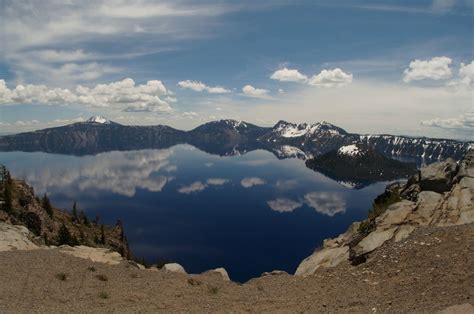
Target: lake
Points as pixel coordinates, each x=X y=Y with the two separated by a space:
x=247 y=213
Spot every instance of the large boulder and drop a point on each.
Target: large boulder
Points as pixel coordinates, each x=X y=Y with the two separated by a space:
x=174 y=268
x=325 y=258
x=373 y=241
x=438 y=177
x=14 y=237
x=221 y=272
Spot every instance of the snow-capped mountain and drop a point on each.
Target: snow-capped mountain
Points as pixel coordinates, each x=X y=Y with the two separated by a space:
x=229 y=137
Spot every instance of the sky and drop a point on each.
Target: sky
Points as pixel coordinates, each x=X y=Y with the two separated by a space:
x=399 y=67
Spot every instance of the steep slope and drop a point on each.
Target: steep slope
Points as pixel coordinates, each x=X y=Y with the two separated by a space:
x=440 y=195
x=52 y=226
x=358 y=165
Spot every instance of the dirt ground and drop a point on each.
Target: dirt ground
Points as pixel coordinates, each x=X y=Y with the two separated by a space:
x=429 y=271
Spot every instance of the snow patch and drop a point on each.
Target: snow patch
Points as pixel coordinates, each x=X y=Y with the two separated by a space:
x=350 y=150
x=98 y=119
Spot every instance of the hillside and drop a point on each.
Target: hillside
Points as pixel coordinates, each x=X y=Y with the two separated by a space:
x=52 y=226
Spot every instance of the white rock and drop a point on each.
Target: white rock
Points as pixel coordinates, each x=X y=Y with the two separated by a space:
x=14 y=237
x=325 y=258
x=174 y=267
x=221 y=272
x=100 y=255
x=374 y=240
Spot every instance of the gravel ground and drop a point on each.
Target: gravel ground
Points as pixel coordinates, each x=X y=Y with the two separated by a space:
x=429 y=271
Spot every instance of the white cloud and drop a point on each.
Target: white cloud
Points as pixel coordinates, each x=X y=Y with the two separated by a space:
x=122 y=95
x=283 y=205
x=288 y=75
x=331 y=78
x=198 y=86
x=327 y=203
x=194 y=187
x=463 y=122
x=216 y=181
x=251 y=91
x=46 y=25
x=252 y=181
x=190 y=114
x=437 y=68
x=465 y=77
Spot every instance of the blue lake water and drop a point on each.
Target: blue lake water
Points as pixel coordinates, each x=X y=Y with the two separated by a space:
x=249 y=213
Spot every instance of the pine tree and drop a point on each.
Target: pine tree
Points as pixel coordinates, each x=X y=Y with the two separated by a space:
x=102 y=234
x=65 y=237
x=75 y=218
x=46 y=204
x=6 y=189
x=83 y=218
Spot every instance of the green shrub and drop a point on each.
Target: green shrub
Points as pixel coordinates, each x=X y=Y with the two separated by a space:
x=61 y=276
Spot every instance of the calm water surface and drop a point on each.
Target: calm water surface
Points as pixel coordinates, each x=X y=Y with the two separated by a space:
x=250 y=213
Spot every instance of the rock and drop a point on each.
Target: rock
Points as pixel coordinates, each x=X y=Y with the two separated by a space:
x=427 y=203
x=438 y=177
x=14 y=237
x=374 y=240
x=274 y=273
x=342 y=238
x=221 y=272
x=403 y=232
x=132 y=264
x=467 y=183
x=395 y=214
x=411 y=192
x=325 y=258
x=174 y=267
x=100 y=255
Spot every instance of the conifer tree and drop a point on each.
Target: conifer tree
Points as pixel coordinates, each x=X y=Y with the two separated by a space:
x=46 y=204
x=102 y=232
x=65 y=237
x=75 y=218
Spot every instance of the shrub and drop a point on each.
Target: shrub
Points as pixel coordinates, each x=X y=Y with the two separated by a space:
x=103 y=295
x=102 y=277
x=61 y=276
x=91 y=269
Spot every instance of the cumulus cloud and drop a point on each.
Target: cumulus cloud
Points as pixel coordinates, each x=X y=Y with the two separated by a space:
x=437 y=68
x=201 y=87
x=251 y=91
x=251 y=181
x=123 y=95
x=326 y=78
x=288 y=75
x=465 y=77
x=194 y=187
x=331 y=78
x=463 y=122
x=216 y=181
x=284 y=205
x=326 y=203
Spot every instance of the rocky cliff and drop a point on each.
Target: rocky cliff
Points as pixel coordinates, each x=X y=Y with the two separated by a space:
x=441 y=194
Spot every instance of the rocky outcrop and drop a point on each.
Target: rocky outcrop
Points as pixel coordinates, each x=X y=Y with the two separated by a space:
x=100 y=255
x=175 y=268
x=440 y=195
x=15 y=238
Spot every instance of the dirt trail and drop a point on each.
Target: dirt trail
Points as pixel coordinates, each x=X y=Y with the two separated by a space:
x=429 y=271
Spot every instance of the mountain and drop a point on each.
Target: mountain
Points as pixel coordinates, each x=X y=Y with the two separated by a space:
x=228 y=137
x=358 y=165
x=93 y=136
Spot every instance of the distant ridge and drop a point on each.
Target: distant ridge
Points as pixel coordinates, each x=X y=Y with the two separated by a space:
x=228 y=137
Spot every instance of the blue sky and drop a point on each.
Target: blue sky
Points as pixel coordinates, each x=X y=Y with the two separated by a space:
x=401 y=67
